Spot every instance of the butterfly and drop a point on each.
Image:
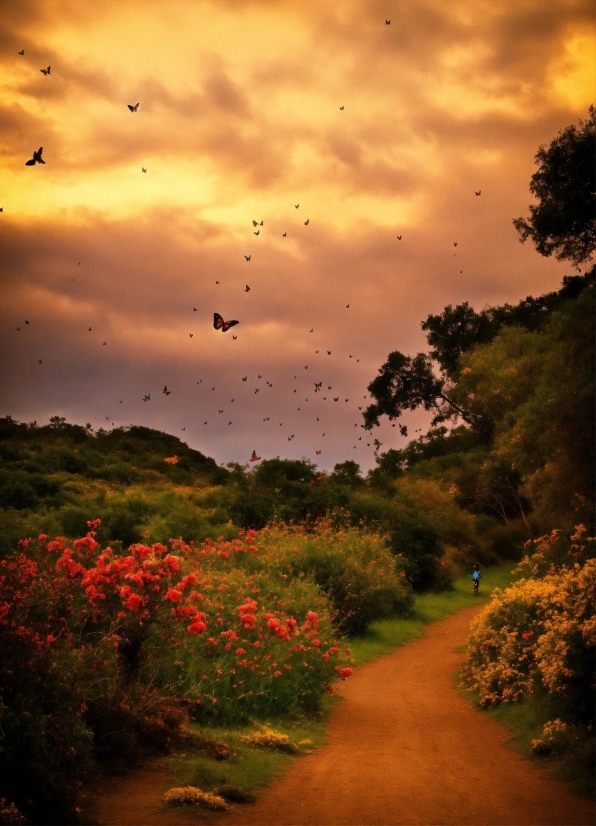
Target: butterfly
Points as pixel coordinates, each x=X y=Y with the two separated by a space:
x=284 y=234
x=296 y=205
x=247 y=289
x=220 y=324
x=341 y=108
x=143 y=169
x=260 y=377
x=258 y=232
x=244 y=378
x=387 y=22
x=336 y=400
x=36 y=158
x=40 y=361
x=312 y=331
x=194 y=309
x=455 y=243
x=234 y=337
x=166 y=392
x=255 y=223
x=479 y=192
x=318 y=452
x=307 y=222
x=147 y=398
x=399 y=237
x=204 y=422
x=248 y=257
x=191 y=334
x=328 y=352
x=22 y=51
x=104 y=344
x=26 y=322
x=347 y=306
x=134 y=108
x=45 y=71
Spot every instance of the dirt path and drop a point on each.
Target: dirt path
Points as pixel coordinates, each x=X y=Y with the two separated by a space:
x=404 y=748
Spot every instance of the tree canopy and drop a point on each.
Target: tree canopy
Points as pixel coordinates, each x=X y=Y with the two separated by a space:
x=563 y=220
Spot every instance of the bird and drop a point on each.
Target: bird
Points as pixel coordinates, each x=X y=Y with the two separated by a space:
x=307 y=222
x=296 y=205
x=254 y=457
x=341 y=108
x=45 y=71
x=22 y=51
x=143 y=169
x=258 y=232
x=248 y=257
x=399 y=237
x=165 y=391
x=36 y=158
x=220 y=324
x=479 y=192
x=133 y=107
x=247 y=289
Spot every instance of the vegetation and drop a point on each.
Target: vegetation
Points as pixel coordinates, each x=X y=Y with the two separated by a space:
x=158 y=592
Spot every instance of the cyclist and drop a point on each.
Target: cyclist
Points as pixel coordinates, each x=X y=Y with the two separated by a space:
x=476 y=578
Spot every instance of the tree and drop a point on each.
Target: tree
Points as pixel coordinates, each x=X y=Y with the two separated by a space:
x=563 y=221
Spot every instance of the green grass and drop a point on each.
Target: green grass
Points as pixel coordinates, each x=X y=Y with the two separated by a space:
x=248 y=768
x=384 y=636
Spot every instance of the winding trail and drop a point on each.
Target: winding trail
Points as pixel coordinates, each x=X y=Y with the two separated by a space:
x=403 y=748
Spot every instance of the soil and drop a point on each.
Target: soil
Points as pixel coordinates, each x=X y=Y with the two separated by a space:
x=403 y=748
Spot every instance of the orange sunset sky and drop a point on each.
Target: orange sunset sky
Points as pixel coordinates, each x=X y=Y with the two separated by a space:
x=240 y=119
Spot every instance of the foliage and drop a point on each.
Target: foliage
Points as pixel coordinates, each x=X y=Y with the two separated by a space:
x=563 y=221
x=191 y=796
x=539 y=634
x=106 y=651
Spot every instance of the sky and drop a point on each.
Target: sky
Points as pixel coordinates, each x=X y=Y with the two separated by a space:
x=333 y=130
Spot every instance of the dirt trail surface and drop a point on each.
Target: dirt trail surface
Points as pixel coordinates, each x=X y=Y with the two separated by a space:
x=404 y=748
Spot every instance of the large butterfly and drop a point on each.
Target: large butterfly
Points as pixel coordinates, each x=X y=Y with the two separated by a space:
x=254 y=457
x=166 y=392
x=133 y=107
x=318 y=452
x=36 y=158
x=220 y=324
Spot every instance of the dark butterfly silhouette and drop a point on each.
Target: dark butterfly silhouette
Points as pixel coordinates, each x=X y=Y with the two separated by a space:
x=26 y=322
x=336 y=400
x=387 y=22
x=45 y=71
x=312 y=331
x=204 y=422
x=348 y=306
x=254 y=457
x=248 y=257
x=40 y=361
x=284 y=234
x=220 y=324
x=143 y=169
x=22 y=51
x=258 y=232
x=36 y=158
x=191 y=334
x=234 y=337
x=296 y=205
x=244 y=378
x=399 y=237
x=260 y=377
x=194 y=309
x=104 y=344
x=307 y=222
x=147 y=398
x=247 y=289
x=255 y=223
x=166 y=392
x=479 y=192
x=455 y=243
x=318 y=452
x=133 y=108
x=328 y=352
x=341 y=108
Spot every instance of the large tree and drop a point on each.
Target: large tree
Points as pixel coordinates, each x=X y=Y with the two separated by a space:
x=562 y=222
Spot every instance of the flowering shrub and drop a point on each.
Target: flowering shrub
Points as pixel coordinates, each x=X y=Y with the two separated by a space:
x=557 y=738
x=538 y=633
x=269 y=739
x=104 y=650
x=191 y=796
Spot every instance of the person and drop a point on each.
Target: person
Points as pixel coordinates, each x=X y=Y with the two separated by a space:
x=476 y=577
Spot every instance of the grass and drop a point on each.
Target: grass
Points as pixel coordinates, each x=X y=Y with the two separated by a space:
x=249 y=768
x=384 y=636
